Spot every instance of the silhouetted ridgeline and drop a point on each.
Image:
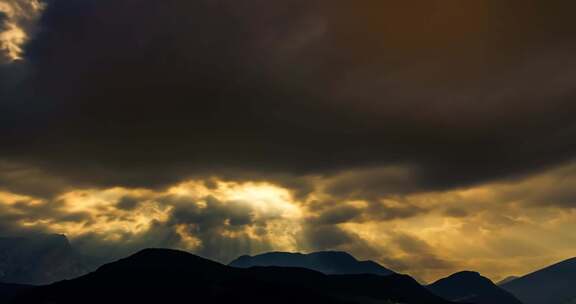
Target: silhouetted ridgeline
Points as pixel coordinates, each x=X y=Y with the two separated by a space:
x=507 y=280
x=327 y=262
x=471 y=287
x=169 y=276
x=552 y=285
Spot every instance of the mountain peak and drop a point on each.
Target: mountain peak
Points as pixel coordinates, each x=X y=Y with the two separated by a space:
x=156 y=258
x=470 y=277
x=471 y=286
x=467 y=279
x=467 y=274
x=155 y=252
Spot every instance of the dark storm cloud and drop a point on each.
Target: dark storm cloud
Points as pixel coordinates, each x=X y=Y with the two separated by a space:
x=456 y=212
x=555 y=188
x=145 y=93
x=30 y=181
x=374 y=183
x=3 y=28
x=128 y=203
x=339 y=214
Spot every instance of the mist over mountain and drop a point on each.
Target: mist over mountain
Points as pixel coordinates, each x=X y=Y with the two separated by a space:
x=170 y=276
x=471 y=287
x=327 y=262
x=555 y=284
x=39 y=259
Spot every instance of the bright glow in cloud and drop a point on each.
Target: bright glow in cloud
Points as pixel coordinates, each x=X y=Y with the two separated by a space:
x=499 y=229
x=19 y=18
x=268 y=212
x=104 y=218
x=7 y=198
x=200 y=216
x=267 y=199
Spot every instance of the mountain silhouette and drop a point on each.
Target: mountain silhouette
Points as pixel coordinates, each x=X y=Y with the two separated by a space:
x=555 y=284
x=39 y=259
x=471 y=287
x=170 y=276
x=327 y=262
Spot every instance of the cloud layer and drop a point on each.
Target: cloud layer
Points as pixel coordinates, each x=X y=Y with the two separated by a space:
x=498 y=228
x=146 y=93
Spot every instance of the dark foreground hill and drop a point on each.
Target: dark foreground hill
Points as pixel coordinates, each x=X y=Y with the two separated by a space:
x=328 y=262
x=9 y=291
x=169 y=276
x=552 y=285
x=471 y=287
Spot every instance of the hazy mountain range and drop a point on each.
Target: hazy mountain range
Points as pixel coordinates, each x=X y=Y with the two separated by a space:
x=555 y=284
x=326 y=262
x=169 y=276
x=40 y=259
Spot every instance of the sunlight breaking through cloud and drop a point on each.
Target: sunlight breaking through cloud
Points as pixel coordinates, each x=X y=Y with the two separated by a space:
x=426 y=234
x=17 y=21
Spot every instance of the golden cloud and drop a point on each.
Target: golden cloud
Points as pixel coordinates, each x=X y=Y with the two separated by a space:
x=19 y=17
x=498 y=229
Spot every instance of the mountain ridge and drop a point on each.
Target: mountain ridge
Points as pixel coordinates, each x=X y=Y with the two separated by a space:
x=162 y=275
x=471 y=287
x=327 y=262
x=174 y=271
x=553 y=284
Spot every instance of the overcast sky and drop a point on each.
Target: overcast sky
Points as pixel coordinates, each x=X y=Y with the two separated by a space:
x=429 y=135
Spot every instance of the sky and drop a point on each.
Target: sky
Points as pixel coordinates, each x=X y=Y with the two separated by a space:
x=431 y=136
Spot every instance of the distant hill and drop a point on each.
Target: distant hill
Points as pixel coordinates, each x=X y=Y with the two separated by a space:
x=471 y=287
x=170 y=276
x=39 y=259
x=327 y=262
x=555 y=284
